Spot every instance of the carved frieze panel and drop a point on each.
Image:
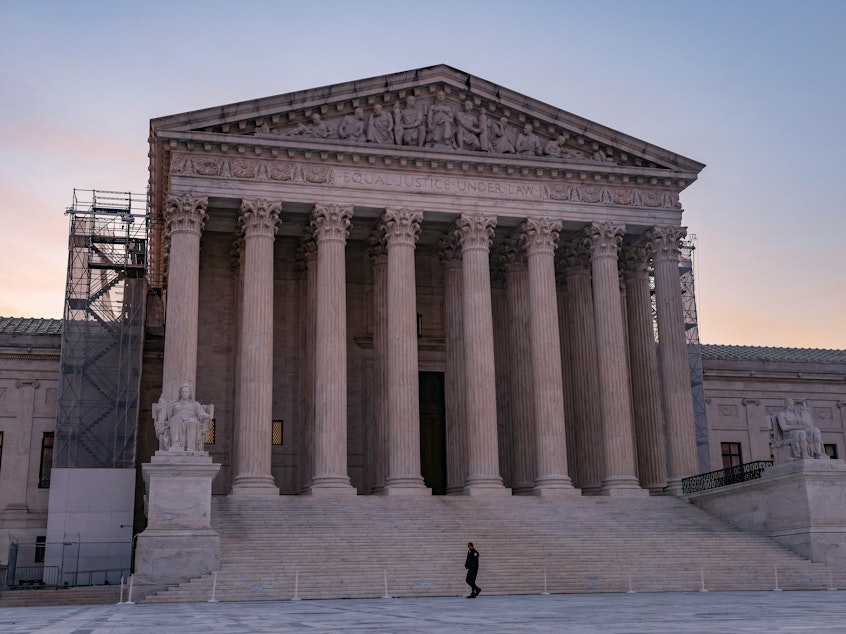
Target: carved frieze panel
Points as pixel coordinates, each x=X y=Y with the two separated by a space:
x=728 y=411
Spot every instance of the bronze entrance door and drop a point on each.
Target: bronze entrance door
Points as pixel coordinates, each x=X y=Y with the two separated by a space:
x=433 y=431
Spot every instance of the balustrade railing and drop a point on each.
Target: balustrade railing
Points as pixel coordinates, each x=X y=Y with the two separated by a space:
x=723 y=477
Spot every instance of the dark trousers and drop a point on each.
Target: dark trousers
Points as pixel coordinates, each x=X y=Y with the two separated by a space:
x=471 y=578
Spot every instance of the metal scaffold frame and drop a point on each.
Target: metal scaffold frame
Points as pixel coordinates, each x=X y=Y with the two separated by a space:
x=102 y=330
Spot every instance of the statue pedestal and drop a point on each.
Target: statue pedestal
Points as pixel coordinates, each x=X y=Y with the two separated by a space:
x=179 y=542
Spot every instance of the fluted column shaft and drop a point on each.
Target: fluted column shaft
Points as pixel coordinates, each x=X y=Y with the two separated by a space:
x=675 y=369
x=646 y=397
x=331 y=226
x=379 y=258
x=520 y=384
x=590 y=459
x=402 y=227
x=476 y=233
x=308 y=251
x=184 y=216
x=259 y=219
x=456 y=436
x=540 y=236
x=615 y=395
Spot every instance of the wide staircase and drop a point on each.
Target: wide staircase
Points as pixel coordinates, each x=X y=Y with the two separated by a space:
x=41 y=597
x=372 y=546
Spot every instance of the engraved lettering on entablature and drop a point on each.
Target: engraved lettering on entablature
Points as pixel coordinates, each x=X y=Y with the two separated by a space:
x=728 y=411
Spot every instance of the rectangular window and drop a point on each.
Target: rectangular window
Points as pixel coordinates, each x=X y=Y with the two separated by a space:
x=732 y=455
x=210 y=435
x=830 y=450
x=46 y=461
x=40 y=547
x=276 y=436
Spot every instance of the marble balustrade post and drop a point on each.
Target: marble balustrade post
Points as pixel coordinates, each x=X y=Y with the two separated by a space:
x=646 y=397
x=402 y=228
x=456 y=436
x=540 y=237
x=379 y=257
x=589 y=452
x=331 y=226
x=259 y=219
x=675 y=369
x=620 y=476
x=184 y=217
x=475 y=233
x=520 y=384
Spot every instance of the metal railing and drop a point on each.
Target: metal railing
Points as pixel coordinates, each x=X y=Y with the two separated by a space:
x=723 y=477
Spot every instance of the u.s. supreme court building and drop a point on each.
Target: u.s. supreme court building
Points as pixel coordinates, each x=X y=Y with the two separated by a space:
x=418 y=306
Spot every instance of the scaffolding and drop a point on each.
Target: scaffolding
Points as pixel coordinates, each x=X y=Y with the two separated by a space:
x=102 y=330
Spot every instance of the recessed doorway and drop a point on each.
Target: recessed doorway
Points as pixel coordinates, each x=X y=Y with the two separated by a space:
x=433 y=431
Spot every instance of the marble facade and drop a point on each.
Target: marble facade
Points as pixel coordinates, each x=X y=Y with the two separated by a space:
x=328 y=246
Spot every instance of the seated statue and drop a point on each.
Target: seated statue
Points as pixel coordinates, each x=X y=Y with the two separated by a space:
x=183 y=424
x=797 y=432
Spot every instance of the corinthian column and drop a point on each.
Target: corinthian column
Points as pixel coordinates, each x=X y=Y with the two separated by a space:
x=522 y=430
x=540 y=236
x=184 y=217
x=456 y=436
x=259 y=219
x=620 y=475
x=646 y=397
x=590 y=462
x=308 y=304
x=379 y=257
x=475 y=234
x=675 y=370
x=331 y=226
x=402 y=227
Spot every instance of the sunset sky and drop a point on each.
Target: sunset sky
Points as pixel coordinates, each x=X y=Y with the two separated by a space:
x=755 y=89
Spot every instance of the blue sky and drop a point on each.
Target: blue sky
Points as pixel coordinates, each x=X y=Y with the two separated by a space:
x=755 y=89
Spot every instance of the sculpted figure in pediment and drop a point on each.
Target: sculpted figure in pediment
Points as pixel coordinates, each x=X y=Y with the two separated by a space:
x=554 y=147
x=528 y=142
x=352 y=126
x=440 y=122
x=409 y=123
x=467 y=128
x=499 y=133
x=380 y=126
x=317 y=129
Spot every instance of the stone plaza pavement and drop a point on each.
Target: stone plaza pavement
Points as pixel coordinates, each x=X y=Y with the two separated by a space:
x=820 y=612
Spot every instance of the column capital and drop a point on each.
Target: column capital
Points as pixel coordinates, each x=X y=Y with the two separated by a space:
x=576 y=253
x=402 y=225
x=259 y=217
x=539 y=235
x=475 y=231
x=331 y=222
x=666 y=241
x=449 y=249
x=185 y=212
x=636 y=258
x=604 y=238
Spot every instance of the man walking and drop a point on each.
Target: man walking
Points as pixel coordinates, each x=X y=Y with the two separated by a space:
x=472 y=566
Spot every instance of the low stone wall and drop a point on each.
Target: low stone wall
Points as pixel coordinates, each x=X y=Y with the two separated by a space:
x=800 y=504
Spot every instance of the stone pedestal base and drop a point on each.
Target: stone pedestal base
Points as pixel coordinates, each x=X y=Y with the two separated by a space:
x=254 y=486
x=174 y=556
x=178 y=543
x=486 y=489
x=801 y=504
x=406 y=489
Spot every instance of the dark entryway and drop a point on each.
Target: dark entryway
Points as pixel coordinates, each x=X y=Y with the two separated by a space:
x=433 y=431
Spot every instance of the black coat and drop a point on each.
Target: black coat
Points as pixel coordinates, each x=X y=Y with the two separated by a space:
x=472 y=561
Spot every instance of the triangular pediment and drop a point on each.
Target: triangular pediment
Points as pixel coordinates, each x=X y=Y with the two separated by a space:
x=434 y=109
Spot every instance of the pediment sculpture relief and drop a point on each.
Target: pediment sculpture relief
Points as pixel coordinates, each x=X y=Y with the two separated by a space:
x=439 y=123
